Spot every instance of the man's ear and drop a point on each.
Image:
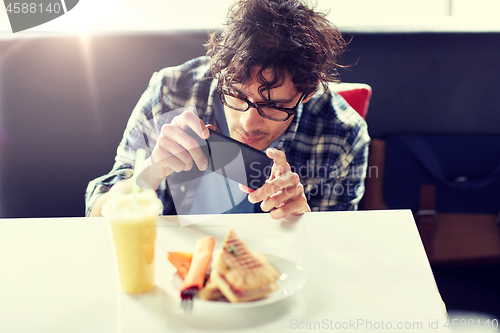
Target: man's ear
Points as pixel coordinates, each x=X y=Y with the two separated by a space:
x=308 y=97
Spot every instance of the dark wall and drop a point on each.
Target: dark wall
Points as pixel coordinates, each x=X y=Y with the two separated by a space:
x=432 y=82
x=64 y=102
x=63 y=108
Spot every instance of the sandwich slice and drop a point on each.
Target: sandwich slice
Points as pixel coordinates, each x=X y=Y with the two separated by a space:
x=240 y=274
x=211 y=291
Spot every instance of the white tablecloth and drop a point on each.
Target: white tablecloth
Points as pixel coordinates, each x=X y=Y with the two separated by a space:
x=366 y=271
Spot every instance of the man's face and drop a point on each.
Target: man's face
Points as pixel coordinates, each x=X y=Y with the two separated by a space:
x=249 y=126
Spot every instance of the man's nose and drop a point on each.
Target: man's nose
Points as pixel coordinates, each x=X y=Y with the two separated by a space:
x=251 y=120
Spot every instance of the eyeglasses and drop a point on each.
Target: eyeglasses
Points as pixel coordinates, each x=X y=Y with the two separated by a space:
x=267 y=110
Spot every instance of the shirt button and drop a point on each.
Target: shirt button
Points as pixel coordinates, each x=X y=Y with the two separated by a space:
x=183 y=188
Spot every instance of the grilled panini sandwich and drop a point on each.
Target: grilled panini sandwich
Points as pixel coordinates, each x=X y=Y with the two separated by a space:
x=211 y=291
x=240 y=274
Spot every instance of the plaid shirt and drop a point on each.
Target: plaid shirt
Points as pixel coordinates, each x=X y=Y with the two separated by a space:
x=326 y=143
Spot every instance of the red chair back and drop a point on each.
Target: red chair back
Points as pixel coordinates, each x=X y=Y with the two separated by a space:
x=357 y=95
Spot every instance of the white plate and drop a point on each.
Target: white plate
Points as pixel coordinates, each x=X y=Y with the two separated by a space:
x=292 y=279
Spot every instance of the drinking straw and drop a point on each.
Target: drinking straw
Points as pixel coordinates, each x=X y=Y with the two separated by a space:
x=140 y=154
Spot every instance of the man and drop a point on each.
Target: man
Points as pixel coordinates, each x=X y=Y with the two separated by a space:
x=264 y=83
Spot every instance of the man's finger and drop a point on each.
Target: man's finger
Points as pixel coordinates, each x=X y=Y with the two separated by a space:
x=264 y=192
x=194 y=149
x=280 y=165
x=172 y=162
x=189 y=144
x=168 y=146
x=245 y=189
x=190 y=119
x=278 y=199
x=277 y=156
x=212 y=127
x=271 y=187
x=202 y=131
x=295 y=206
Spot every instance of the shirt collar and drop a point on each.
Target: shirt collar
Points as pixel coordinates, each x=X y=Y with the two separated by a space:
x=320 y=104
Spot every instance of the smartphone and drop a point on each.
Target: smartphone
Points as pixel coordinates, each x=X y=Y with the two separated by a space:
x=235 y=160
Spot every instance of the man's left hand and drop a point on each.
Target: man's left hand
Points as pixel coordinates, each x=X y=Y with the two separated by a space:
x=283 y=194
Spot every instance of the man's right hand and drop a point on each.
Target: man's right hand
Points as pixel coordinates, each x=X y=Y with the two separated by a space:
x=175 y=150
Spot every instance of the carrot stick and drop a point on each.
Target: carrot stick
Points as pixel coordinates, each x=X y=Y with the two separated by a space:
x=181 y=261
x=202 y=256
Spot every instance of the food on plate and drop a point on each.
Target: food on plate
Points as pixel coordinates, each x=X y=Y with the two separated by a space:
x=211 y=292
x=237 y=274
x=202 y=256
x=240 y=274
x=181 y=261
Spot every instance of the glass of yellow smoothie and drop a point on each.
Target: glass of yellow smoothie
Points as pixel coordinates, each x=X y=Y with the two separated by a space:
x=134 y=235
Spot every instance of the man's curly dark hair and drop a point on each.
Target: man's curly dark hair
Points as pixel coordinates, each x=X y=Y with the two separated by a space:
x=283 y=35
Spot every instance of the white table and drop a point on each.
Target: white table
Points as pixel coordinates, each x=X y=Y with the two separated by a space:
x=58 y=275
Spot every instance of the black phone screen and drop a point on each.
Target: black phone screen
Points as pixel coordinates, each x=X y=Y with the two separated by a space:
x=234 y=160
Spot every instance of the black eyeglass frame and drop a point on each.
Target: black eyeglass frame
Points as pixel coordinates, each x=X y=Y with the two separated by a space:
x=289 y=111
